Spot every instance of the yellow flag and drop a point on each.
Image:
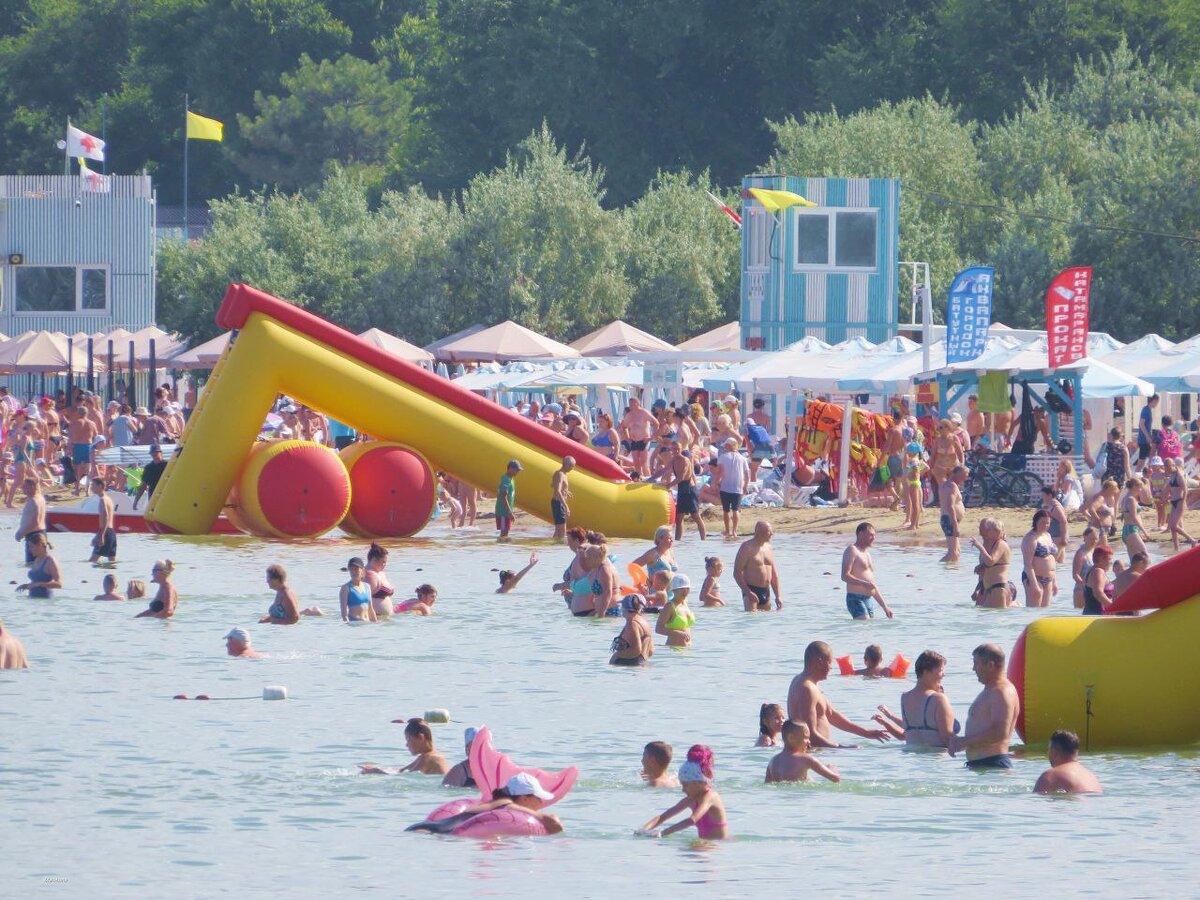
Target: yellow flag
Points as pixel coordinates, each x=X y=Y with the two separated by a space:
x=202 y=129
x=774 y=201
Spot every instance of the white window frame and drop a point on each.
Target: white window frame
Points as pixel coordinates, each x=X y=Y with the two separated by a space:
x=78 y=310
x=830 y=213
x=759 y=249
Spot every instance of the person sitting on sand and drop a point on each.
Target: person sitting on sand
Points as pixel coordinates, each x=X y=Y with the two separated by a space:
x=237 y=643
x=794 y=761
x=166 y=598
x=285 y=610
x=1066 y=775
x=460 y=775
x=707 y=808
x=873 y=666
x=676 y=619
x=355 y=595
x=710 y=589
x=510 y=579
x=110 y=589
x=926 y=716
x=422 y=604
x=656 y=759
x=770 y=723
x=12 y=652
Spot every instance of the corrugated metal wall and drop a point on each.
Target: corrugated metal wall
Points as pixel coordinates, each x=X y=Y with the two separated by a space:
x=51 y=220
x=832 y=306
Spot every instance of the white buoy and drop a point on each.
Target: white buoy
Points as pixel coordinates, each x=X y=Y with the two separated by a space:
x=274 y=692
x=437 y=716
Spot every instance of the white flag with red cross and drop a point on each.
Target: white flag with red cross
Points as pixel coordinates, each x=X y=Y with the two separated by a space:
x=93 y=181
x=80 y=143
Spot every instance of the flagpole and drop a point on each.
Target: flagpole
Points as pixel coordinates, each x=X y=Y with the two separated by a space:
x=103 y=136
x=186 y=233
x=67 y=151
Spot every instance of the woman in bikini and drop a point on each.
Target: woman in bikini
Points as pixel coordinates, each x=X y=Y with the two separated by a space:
x=377 y=580
x=1133 y=532
x=1176 y=494
x=994 y=590
x=1102 y=508
x=606 y=440
x=947 y=453
x=634 y=645
x=1081 y=563
x=926 y=716
x=1039 y=556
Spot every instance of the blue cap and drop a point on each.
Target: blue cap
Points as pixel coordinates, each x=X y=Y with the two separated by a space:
x=914 y=447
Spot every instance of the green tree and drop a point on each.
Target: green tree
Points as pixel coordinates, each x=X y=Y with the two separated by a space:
x=537 y=247
x=684 y=259
x=346 y=112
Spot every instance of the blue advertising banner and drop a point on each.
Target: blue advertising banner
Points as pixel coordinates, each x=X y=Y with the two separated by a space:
x=969 y=313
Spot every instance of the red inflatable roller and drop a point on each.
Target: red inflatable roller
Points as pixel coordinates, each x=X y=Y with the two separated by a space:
x=290 y=489
x=1163 y=584
x=393 y=490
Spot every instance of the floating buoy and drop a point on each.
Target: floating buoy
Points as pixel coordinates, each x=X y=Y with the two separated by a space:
x=274 y=692
x=290 y=489
x=181 y=697
x=203 y=697
x=437 y=716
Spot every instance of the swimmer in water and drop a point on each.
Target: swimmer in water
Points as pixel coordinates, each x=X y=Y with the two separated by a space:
x=656 y=759
x=710 y=590
x=656 y=593
x=418 y=738
x=237 y=643
x=510 y=579
x=166 y=598
x=635 y=644
x=110 y=589
x=377 y=580
x=1066 y=775
x=794 y=762
x=522 y=790
x=676 y=619
x=135 y=589
x=770 y=723
x=285 y=610
x=422 y=604
x=927 y=718
x=460 y=775
x=355 y=595
x=707 y=808
x=873 y=663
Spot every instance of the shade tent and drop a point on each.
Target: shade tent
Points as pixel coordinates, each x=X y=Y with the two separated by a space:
x=451 y=338
x=1179 y=371
x=204 y=356
x=815 y=371
x=1139 y=357
x=42 y=351
x=609 y=376
x=396 y=346
x=724 y=338
x=617 y=338
x=164 y=345
x=504 y=342
x=502 y=378
x=891 y=368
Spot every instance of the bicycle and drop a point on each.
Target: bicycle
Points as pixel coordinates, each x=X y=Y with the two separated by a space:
x=990 y=484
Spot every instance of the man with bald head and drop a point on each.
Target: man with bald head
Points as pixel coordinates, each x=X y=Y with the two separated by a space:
x=807 y=703
x=755 y=571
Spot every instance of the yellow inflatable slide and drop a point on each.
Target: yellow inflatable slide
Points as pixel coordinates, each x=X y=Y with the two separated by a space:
x=280 y=348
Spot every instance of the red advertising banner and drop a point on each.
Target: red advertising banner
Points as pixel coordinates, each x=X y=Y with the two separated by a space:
x=1067 y=315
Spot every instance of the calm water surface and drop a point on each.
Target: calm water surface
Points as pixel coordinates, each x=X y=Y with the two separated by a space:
x=110 y=788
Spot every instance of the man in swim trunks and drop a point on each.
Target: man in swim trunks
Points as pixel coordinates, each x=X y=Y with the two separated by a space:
x=1066 y=775
x=82 y=433
x=637 y=427
x=33 y=516
x=951 y=502
x=734 y=482
x=506 y=499
x=893 y=452
x=105 y=542
x=993 y=715
x=560 y=493
x=859 y=574
x=681 y=475
x=12 y=653
x=755 y=571
x=807 y=703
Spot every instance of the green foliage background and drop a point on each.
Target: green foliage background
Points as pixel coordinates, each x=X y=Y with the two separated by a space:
x=424 y=164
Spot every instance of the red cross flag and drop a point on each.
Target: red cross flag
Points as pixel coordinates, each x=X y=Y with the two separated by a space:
x=93 y=181
x=80 y=143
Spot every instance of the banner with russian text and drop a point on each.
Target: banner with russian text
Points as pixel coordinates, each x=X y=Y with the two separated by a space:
x=1067 y=315
x=969 y=313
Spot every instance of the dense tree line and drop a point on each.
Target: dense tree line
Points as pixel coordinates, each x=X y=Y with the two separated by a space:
x=546 y=159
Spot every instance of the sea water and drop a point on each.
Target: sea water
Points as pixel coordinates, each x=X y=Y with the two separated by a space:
x=108 y=787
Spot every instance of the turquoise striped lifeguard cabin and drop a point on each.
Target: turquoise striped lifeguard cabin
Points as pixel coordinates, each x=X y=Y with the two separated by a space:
x=829 y=271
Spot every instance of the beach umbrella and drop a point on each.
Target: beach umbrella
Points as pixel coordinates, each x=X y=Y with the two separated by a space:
x=505 y=341
x=204 y=356
x=617 y=338
x=396 y=346
x=723 y=338
x=451 y=338
x=41 y=351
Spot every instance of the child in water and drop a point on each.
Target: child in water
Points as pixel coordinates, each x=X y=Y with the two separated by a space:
x=710 y=590
x=422 y=604
x=794 y=761
x=656 y=759
x=656 y=593
x=418 y=738
x=110 y=589
x=135 y=590
x=770 y=721
x=873 y=660
x=707 y=808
